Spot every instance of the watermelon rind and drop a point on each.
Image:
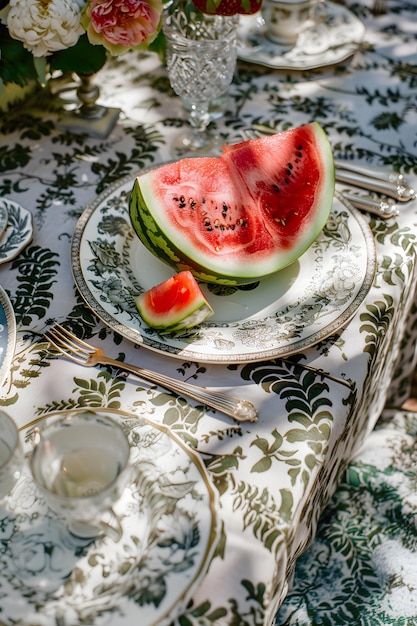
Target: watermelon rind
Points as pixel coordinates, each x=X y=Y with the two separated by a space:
x=177 y=248
x=176 y=318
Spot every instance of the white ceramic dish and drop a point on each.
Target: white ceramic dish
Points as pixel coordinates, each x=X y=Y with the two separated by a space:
x=290 y=310
x=330 y=42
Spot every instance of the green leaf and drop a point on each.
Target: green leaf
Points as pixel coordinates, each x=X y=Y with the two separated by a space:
x=16 y=63
x=83 y=58
x=287 y=502
x=159 y=46
x=387 y=120
x=261 y=443
x=81 y=382
x=263 y=465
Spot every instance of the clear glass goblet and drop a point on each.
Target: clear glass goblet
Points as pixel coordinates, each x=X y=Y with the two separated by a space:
x=201 y=60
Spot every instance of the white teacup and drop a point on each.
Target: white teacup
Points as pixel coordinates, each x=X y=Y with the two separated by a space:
x=11 y=454
x=285 y=20
x=80 y=462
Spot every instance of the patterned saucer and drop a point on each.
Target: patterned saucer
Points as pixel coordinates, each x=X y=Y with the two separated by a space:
x=18 y=230
x=332 y=41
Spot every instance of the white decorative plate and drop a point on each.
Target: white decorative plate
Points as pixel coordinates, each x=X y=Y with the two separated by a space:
x=4 y=215
x=7 y=335
x=332 y=41
x=18 y=232
x=170 y=530
x=282 y=314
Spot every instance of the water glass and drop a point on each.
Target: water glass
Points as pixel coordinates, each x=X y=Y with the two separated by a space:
x=201 y=59
x=80 y=462
x=11 y=454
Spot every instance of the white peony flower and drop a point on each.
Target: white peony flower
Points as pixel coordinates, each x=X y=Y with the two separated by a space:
x=45 y=26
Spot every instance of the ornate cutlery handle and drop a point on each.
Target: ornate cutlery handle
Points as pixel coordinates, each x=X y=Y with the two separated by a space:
x=382 y=208
x=239 y=410
x=398 y=192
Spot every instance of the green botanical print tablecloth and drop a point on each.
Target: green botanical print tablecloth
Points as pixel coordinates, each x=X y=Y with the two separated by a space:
x=274 y=478
x=361 y=567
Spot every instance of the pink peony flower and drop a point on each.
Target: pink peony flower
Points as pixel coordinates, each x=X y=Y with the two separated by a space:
x=122 y=25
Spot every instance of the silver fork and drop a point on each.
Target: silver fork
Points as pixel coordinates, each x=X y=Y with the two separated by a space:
x=379 y=7
x=83 y=353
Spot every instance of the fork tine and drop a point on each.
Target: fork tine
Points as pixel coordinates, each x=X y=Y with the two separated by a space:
x=379 y=7
x=249 y=134
x=54 y=344
x=69 y=336
x=66 y=343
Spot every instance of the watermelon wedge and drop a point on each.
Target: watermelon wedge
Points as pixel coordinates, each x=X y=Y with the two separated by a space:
x=175 y=304
x=244 y=215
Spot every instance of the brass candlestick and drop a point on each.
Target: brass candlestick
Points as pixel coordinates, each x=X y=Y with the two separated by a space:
x=88 y=94
x=90 y=118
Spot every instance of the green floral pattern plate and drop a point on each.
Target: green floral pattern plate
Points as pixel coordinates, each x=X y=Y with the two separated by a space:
x=280 y=315
x=170 y=531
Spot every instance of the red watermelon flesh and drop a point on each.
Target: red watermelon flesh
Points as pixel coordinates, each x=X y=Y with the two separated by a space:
x=243 y=215
x=176 y=303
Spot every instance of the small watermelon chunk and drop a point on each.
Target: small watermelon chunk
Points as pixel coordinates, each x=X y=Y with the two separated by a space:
x=242 y=216
x=175 y=304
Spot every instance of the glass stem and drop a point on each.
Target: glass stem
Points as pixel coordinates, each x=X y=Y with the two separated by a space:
x=199 y=120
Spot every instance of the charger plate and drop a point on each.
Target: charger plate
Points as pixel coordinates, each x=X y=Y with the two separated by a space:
x=7 y=335
x=170 y=531
x=278 y=316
